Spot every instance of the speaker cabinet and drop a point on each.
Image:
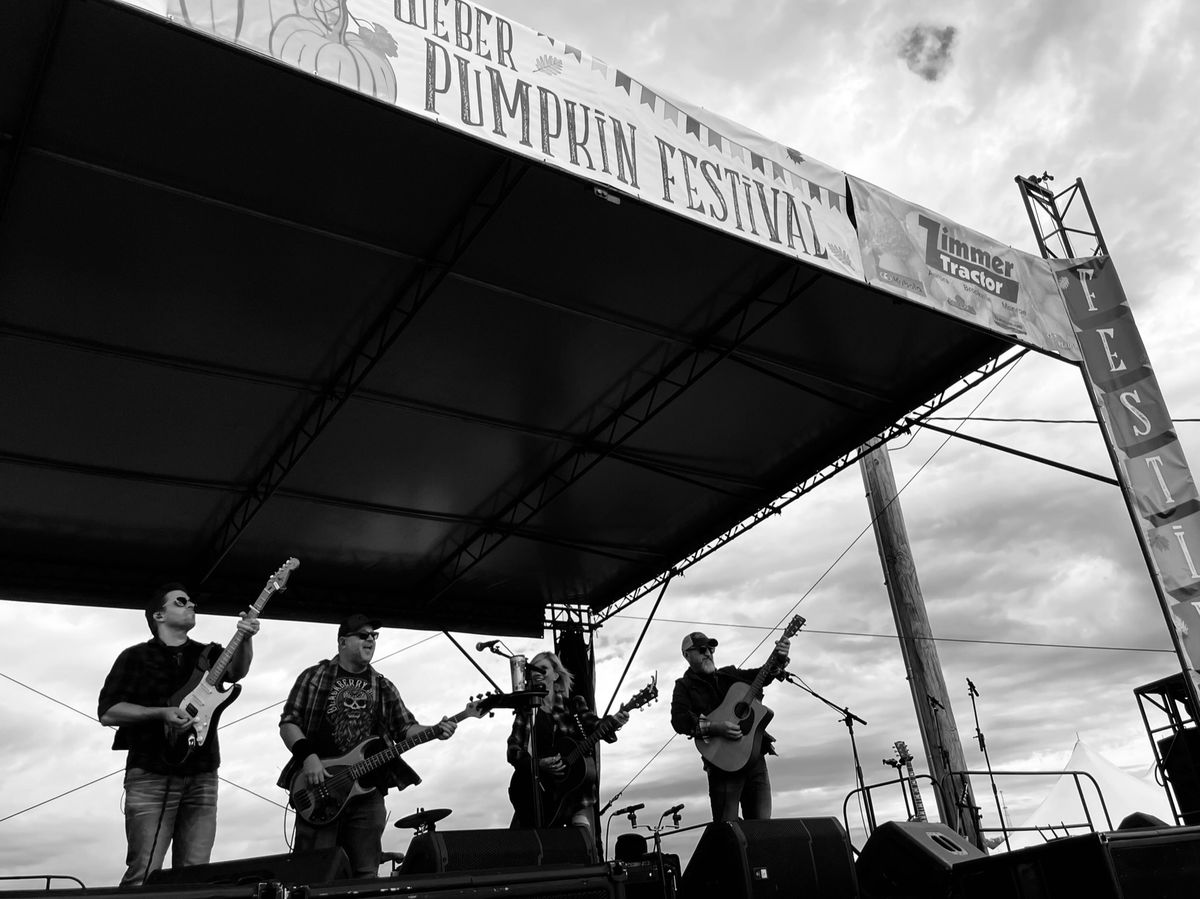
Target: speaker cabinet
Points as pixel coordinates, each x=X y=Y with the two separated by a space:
x=911 y=860
x=292 y=869
x=469 y=850
x=1180 y=754
x=1133 y=864
x=808 y=857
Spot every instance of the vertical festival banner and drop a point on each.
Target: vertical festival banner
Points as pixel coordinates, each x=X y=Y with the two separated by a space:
x=1150 y=464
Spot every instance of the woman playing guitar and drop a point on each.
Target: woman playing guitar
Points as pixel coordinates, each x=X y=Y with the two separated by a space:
x=565 y=793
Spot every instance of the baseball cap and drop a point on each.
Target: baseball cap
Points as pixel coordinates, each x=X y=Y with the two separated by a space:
x=356 y=623
x=697 y=640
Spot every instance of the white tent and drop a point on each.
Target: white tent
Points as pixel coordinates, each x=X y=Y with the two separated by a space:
x=1123 y=793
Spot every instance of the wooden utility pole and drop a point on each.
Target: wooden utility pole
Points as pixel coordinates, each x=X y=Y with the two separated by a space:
x=939 y=733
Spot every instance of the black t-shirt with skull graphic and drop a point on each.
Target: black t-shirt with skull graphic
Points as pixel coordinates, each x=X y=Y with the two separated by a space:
x=349 y=715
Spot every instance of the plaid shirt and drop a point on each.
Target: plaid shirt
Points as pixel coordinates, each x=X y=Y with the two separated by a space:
x=559 y=721
x=149 y=674
x=305 y=708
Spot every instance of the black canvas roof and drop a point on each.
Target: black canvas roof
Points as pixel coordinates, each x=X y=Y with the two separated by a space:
x=246 y=314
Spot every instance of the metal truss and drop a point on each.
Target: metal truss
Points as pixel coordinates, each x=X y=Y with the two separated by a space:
x=679 y=372
x=362 y=359
x=964 y=384
x=1055 y=217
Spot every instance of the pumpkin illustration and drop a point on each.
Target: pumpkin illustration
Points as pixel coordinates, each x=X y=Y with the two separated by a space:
x=323 y=44
x=247 y=22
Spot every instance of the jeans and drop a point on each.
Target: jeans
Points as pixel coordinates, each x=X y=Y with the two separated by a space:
x=162 y=810
x=749 y=788
x=358 y=830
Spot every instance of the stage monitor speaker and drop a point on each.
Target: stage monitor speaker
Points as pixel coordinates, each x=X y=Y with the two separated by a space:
x=291 y=869
x=470 y=850
x=1132 y=864
x=911 y=860
x=1180 y=753
x=809 y=857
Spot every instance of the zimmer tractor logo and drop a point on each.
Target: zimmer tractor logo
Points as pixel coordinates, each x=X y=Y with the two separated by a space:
x=960 y=259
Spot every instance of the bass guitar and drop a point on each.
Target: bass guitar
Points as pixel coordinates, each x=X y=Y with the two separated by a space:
x=743 y=705
x=906 y=759
x=344 y=774
x=202 y=697
x=556 y=793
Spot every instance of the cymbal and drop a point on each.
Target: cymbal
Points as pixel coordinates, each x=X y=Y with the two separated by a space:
x=423 y=818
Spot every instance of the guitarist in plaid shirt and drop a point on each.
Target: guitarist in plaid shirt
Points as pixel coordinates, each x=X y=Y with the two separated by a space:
x=559 y=715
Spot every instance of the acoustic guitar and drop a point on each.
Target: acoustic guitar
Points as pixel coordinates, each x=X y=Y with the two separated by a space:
x=557 y=793
x=743 y=705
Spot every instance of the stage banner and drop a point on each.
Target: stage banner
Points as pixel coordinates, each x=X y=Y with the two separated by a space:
x=924 y=257
x=1150 y=463
x=480 y=73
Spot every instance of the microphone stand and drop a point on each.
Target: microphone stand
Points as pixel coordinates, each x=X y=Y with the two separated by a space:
x=972 y=692
x=848 y=719
x=956 y=798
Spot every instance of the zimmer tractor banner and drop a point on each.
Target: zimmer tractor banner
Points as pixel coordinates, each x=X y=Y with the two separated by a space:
x=926 y=258
x=482 y=74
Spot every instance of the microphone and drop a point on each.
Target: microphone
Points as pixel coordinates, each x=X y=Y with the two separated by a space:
x=629 y=809
x=673 y=810
x=971 y=691
x=486 y=644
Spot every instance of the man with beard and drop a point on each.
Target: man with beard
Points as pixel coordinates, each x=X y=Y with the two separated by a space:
x=170 y=790
x=701 y=690
x=334 y=706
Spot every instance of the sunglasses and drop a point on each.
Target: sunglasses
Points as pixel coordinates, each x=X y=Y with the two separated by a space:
x=702 y=650
x=182 y=602
x=365 y=635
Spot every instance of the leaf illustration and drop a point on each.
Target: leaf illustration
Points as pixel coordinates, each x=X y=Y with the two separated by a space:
x=379 y=40
x=550 y=64
x=795 y=157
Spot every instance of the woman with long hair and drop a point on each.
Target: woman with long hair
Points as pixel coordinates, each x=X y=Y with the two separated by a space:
x=563 y=786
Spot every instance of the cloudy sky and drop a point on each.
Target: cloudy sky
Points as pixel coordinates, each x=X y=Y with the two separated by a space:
x=1032 y=576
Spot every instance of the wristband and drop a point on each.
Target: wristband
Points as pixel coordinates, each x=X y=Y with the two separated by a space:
x=302 y=749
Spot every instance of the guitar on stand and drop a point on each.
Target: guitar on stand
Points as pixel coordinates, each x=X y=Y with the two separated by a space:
x=904 y=757
x=202 y=698
x=743 y=705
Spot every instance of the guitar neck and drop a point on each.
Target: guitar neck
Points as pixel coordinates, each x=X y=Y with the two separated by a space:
x=587 y=744
x=393 y=752
x=918 y=805
x=213 y=678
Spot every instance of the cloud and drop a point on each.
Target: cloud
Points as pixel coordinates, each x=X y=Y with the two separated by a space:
x=927 y=50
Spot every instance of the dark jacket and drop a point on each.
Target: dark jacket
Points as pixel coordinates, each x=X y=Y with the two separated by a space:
x=698 y=694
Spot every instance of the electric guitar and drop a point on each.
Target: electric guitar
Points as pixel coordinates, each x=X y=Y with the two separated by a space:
x=343 y=775
x=742 y=703
x=906 y=760
x=555 y=792
x=202 y=697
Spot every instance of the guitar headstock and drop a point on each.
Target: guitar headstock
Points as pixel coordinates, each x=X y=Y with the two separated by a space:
x=482 y=705
x=643 y=697
x=278 y=581
x=793 y=627
x=902 y=752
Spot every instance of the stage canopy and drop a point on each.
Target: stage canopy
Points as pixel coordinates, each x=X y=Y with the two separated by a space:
x=247 y=313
